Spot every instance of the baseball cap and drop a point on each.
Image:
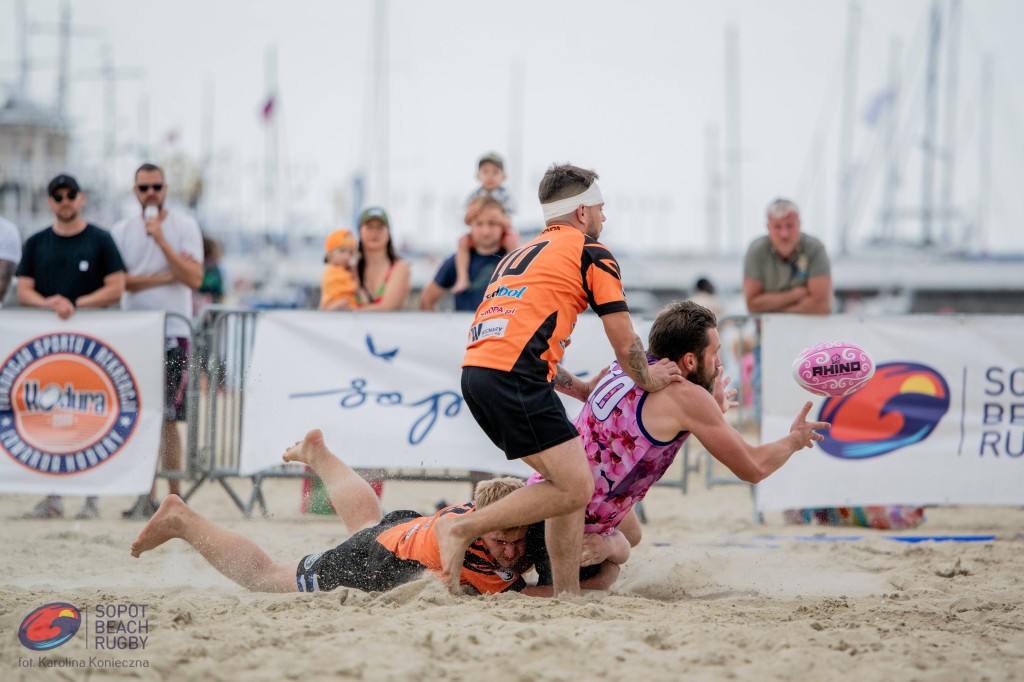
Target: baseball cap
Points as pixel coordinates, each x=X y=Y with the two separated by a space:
x=339 y=238
x=62 y=181
x=374 y=212
x=491 y=157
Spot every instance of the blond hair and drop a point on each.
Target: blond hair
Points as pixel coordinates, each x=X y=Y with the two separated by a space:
x=492 y=490
x=485 y=203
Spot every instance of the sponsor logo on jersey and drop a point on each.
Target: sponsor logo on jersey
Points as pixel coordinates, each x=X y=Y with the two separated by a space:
x=506 y=292
x=68 y=403
x=483 y=330
x=506 y=574
x=49 y=626
x=498 y=310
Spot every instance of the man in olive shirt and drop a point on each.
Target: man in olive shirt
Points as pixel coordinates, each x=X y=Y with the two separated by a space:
x=785 y=271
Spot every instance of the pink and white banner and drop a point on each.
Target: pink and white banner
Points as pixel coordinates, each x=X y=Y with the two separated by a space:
x=81 y=401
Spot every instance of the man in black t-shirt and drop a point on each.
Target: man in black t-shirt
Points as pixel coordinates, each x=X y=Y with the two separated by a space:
x=72 y=264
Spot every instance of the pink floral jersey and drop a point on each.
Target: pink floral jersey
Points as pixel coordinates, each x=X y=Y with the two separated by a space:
x=624 y=459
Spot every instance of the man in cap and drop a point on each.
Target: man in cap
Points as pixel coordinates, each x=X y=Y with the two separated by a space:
x=70 y=265
x=163 y=249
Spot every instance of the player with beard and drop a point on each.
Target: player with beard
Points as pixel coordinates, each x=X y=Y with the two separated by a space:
x=631 y=437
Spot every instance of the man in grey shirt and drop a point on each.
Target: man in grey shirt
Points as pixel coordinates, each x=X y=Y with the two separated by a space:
x=785 y=271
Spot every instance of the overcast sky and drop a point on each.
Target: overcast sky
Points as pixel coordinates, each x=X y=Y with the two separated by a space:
x=629 y=89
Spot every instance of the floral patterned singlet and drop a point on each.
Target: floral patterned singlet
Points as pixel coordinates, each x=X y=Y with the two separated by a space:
x=624 y=459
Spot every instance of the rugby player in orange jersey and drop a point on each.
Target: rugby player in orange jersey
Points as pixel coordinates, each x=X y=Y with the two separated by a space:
x=510 y=371
x=381 y=553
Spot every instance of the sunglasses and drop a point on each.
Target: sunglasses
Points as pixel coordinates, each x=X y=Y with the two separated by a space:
x=145 y=188
x=59 y=198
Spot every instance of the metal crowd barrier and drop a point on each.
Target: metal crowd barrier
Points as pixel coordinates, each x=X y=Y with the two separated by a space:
x=221 y=346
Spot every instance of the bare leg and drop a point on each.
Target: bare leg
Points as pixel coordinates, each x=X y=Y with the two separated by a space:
x=566 y=490
x=234 y=555
x=352 y=497
x=172 y=456
x=563 y=536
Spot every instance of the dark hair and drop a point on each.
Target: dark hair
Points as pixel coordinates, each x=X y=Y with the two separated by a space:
x=705 y=285
x=148 y=167
x=361 y=261
x=680 y=328
x=561 y=181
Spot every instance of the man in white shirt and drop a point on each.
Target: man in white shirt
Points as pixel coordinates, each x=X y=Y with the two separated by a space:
x=10 y=255
x=163 y=251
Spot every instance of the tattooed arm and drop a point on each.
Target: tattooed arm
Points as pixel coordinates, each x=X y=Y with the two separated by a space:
x=573 y=386
x=629 y=351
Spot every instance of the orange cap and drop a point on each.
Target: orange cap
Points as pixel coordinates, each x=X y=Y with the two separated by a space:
x=339 y=238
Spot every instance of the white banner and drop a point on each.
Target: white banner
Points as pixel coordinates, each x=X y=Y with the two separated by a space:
x=81 y=401
x=941 y=421
x=383 y=387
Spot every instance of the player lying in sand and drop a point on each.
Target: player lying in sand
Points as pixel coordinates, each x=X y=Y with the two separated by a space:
x=381 y=553
x=631 y=437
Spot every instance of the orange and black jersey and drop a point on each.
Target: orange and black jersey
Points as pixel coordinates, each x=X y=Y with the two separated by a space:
x=529 y=310
x=415 y=540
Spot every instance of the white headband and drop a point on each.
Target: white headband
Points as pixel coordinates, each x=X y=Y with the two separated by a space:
x=591 y=197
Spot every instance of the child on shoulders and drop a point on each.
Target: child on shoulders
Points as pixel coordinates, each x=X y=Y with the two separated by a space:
x=491 y=174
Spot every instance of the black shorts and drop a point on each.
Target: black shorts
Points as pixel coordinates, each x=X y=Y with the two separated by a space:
x=537 y=553
x=175 y=381
x=360 y=562
x=520 y=414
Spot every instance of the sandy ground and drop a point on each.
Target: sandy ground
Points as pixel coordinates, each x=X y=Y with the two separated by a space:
x=707 y=595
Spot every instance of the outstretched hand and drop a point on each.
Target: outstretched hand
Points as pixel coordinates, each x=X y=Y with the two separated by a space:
x=805 y=430
x=723 y=397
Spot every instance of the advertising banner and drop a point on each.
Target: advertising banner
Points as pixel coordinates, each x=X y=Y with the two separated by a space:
x=81 y=401
x=383 y=387
x=941 y=421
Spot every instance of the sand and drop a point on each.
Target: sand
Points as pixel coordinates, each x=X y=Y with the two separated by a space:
x=706 y=596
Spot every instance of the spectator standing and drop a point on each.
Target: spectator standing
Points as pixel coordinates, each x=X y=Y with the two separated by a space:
x=70 y=265
x=10 y=255
x=383 y=276
x=785 y=271
x=491 y=174
x=163 y=250
x=487 y=219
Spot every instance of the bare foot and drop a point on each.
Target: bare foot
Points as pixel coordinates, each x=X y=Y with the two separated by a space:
x=165 y=525
x=452 y=548
x=307 y=450
x=460 y=285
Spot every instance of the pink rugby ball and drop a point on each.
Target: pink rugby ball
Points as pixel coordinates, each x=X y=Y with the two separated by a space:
x=833 y=368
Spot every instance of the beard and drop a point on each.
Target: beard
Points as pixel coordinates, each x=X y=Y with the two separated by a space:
x=702 y=376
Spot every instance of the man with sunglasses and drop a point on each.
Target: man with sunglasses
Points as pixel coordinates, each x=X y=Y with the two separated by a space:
x=163 y=249
x=72 y=264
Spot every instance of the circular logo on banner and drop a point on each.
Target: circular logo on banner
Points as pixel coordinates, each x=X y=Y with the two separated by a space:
x=901 y=405
x=49 y=626
x=68 y=403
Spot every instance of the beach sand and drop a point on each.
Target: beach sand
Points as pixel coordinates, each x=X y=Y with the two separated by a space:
x=706 y=596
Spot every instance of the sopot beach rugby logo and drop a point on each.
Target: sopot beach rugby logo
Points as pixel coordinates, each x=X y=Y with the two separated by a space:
x=68 y=403
x=49 y=626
